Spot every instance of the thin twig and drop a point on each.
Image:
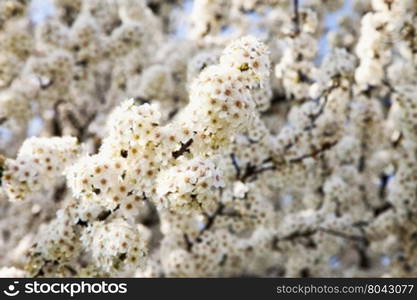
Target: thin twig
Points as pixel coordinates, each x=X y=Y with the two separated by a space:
x=296 y=18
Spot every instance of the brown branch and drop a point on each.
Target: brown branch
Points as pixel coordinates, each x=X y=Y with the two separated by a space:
x=325 y=147
x=309 y=232
x=252 y=171
x=189 y=245
x=184 y=148
x=59 y=193
x=356 y=238
x=2 y=160
x=56 y=125
x=81 y=128
x=209 y=224
x=210 y=219
x=297 y=234
x=235 y=165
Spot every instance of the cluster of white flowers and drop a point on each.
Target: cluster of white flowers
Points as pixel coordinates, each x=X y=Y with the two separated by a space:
x=108 y=177
x=208 y=17
x=169 y=164
x=116 y=246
